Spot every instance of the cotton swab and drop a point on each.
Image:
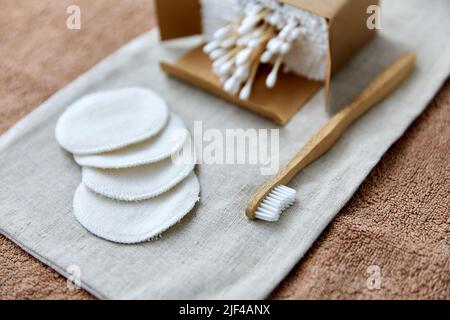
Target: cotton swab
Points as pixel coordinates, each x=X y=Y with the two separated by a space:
x=253 y=8
x=224 y=58
x=295 y=34
x=243 y=56
x=272 y=77
x=242 y=72
x=226 y=68
x=266 y=56
x=250 y=22
x=215 y=54
x=274 y=197
x=209 y=47
x=254 y=62
x=284 y=48
x=232 y=85
x=274 y=45
x=247 y=89
x=223 y=32
x=260 y=34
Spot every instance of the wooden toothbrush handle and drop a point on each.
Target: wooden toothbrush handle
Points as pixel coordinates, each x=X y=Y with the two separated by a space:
x=325 y=138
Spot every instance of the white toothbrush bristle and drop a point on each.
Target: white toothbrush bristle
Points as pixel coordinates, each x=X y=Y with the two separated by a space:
x=277 y=200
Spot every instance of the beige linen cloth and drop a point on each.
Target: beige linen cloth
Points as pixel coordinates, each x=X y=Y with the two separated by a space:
x=215 y=253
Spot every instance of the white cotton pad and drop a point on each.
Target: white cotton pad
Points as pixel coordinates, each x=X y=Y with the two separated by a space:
x=160 y=147
x=110 y=120
x=143 y=182
x=132 y=222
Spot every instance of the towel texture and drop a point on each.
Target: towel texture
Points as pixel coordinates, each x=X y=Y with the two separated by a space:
x=409 y=170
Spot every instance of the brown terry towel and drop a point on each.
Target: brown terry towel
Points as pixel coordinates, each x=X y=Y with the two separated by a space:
x=398 y=221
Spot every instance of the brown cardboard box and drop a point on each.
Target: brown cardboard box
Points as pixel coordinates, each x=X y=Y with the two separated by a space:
x=348 y=33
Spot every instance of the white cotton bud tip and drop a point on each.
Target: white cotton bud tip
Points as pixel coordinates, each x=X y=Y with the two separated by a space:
x=236 y=88
x=228 y=43
x=219 y=62
x=266 y=56
x=245 y=92
x=254 y=43
x=230 y=85
x=216 y=70
x=291 y=25
x=275 y=19
x=280 y=24
x=226 y=68
x=285 y=47
x=242 y=41
x=222 y=32
x=243 y=56
x=257 y=33
x=274 y=45
x=217 y=53
x=284 y=33
x=210 y=46
x=253 y=9
x=293 y=20
x=245 y=27
x=248 y=24
x=271 y=79
x=242 y=72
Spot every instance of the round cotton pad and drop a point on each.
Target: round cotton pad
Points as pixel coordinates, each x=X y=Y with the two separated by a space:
x=139 y=183
x=132 y=222
x=110 y=120
x=162 y=146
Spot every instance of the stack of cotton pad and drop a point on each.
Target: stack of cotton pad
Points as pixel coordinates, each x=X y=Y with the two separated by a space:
x=137 y=164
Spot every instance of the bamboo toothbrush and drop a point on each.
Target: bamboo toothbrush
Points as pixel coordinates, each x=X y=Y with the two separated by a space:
x=274 y=197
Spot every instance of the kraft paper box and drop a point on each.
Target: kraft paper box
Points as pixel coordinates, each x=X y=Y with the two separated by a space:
x=348 y=33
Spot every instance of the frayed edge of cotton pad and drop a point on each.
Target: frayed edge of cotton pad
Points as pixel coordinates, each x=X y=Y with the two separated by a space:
x=101 y=181
x=154 y=232
x=170 y=140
